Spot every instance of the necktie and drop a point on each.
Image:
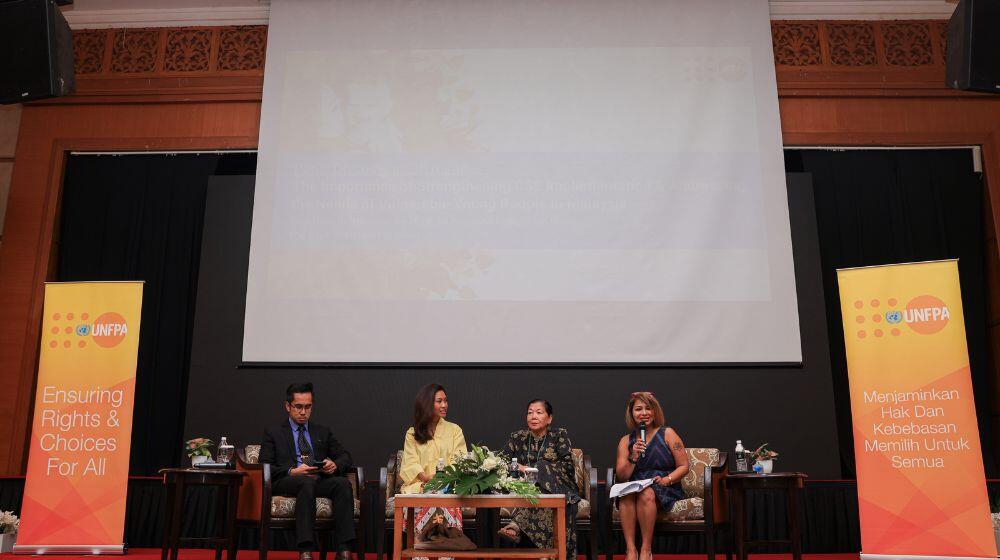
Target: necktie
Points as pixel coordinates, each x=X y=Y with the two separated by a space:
x=304 y=450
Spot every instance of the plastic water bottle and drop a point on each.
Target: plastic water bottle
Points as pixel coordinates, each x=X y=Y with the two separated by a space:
x=226 y=451
x=514 y=470
x=741 y=457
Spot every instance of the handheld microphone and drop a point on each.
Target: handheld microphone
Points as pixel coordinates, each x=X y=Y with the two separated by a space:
x=642 y=434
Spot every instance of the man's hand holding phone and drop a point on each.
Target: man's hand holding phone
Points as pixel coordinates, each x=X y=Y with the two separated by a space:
x=304 y=469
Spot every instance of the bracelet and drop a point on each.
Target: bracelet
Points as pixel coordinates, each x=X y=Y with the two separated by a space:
x=631 y=461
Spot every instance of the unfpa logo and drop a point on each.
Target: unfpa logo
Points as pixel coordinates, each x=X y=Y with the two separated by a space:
x=924 y=314
x=107 y=330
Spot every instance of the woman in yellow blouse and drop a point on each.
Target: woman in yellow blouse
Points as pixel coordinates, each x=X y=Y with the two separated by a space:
x=430 y=439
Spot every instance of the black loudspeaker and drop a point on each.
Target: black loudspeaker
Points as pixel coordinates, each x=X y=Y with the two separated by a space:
x=36 y=51
x=974 y=46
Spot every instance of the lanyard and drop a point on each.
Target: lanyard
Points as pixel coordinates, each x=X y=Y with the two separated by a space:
x=538 y=450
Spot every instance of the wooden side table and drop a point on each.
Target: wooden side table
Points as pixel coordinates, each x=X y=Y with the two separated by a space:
x=790 y=482
x=403 y=502
x=227 y=483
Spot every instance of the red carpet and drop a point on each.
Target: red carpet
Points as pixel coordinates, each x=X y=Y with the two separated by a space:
x=202 y=554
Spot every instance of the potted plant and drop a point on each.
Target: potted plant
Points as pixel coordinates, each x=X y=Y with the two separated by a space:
x=8 y=530
x=765 y=458
x=198 y=449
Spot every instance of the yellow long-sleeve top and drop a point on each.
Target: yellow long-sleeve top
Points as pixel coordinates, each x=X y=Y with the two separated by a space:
x=423 y=457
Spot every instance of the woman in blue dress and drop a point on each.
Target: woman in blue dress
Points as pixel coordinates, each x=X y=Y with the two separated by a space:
x=659 y=456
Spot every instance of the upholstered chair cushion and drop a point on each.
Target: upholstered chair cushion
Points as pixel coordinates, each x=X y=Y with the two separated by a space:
x=395 y=483
x=252 y=453
x=284 y=506
x=581 y=474
x=693 y=482
x=396 y=477
x=689 y=509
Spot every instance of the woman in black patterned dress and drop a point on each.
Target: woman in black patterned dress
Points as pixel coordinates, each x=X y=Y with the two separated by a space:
x=550 y=451
x=660 y=456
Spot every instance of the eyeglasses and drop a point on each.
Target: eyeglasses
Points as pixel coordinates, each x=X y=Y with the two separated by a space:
x=302 y=407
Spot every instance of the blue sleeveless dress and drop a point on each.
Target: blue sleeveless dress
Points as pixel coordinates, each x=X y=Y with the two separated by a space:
x=659 y=461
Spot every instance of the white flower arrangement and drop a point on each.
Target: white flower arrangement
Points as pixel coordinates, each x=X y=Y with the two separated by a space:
x=490 y=462
x=8 y=522
x=479 y=472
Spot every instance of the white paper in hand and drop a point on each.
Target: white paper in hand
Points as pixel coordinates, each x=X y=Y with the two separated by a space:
x=630 y=487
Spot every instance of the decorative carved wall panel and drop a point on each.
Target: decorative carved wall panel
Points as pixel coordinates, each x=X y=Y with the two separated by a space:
x=809 y=56
x=242 y=48
x=859 y=44
x=88 y=51
x=852 y=44
x=134 y=51
x=218 y=51
x=901 y=58
x=941 y=32
x=908 y=44
x=797 y=44
x=188 y=50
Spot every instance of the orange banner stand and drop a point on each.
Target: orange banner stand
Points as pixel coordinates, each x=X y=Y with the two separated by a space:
x=74 y=493
x=921 y=485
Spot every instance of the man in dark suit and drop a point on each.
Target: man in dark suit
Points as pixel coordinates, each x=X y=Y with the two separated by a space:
x=307 y=462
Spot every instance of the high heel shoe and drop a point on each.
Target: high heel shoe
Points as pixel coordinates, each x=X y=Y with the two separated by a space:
x=506 y=531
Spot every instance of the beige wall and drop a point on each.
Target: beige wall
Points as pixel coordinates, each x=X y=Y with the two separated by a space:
x=10 y=119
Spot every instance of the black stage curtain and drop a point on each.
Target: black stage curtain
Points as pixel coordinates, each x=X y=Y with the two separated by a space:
x=140 y=217
x=894 y=206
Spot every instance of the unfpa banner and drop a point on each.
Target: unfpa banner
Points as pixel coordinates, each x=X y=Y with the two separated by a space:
x=74 y=495
x=921 y=487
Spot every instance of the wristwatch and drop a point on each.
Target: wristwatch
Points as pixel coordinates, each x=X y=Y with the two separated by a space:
x=630 y=459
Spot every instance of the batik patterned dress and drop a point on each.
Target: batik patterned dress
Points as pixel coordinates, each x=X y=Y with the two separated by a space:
x=659 y=461
x=552 y=455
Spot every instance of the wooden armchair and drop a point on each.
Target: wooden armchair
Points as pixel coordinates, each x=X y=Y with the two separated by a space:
x=258 y=509
x=586 y=513
x=389 y=484
x=705 y=510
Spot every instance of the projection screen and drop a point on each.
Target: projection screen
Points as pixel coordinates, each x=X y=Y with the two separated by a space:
x=520 y=181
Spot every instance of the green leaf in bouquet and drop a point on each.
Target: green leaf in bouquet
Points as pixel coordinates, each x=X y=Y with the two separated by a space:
x=465 y=487
x=490 y=480
x=440 y=480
